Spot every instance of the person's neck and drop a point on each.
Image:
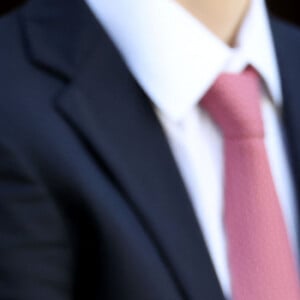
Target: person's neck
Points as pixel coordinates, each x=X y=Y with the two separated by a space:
x=222 y=17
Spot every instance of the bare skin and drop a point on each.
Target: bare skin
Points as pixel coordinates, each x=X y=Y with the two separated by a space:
x=222 y=17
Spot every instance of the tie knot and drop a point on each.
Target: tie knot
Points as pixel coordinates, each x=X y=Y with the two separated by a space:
x=233 y=102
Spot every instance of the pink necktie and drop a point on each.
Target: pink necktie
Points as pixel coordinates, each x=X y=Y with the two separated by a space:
x=262 y=266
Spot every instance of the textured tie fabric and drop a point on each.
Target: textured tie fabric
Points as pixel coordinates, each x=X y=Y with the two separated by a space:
x=261 y=262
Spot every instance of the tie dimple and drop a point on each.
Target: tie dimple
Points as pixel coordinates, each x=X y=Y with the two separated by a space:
x=236 y=104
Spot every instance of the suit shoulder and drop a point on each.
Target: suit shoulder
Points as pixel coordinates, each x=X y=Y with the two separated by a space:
x=10 y=36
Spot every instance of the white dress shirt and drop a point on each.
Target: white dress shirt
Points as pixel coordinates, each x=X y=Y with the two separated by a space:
x=176 y=59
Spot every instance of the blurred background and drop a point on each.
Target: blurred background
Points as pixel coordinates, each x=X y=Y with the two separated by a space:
x=286 y=9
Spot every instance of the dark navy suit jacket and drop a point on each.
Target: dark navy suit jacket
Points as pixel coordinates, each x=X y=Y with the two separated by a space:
x=91 y=202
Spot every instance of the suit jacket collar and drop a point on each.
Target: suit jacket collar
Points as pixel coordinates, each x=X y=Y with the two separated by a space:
x=59 y=34
x=287 y=43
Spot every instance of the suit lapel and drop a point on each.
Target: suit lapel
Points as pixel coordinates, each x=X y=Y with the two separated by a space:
x=116 y=122
x=287 y=44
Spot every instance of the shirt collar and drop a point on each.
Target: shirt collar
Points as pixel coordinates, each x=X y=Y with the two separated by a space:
x=255 y=43
x=175 y=58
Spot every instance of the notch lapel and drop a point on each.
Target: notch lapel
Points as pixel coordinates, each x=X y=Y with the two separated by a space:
x=115 y=120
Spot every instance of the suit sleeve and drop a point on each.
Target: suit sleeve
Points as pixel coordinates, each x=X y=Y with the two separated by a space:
x=36 y=259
